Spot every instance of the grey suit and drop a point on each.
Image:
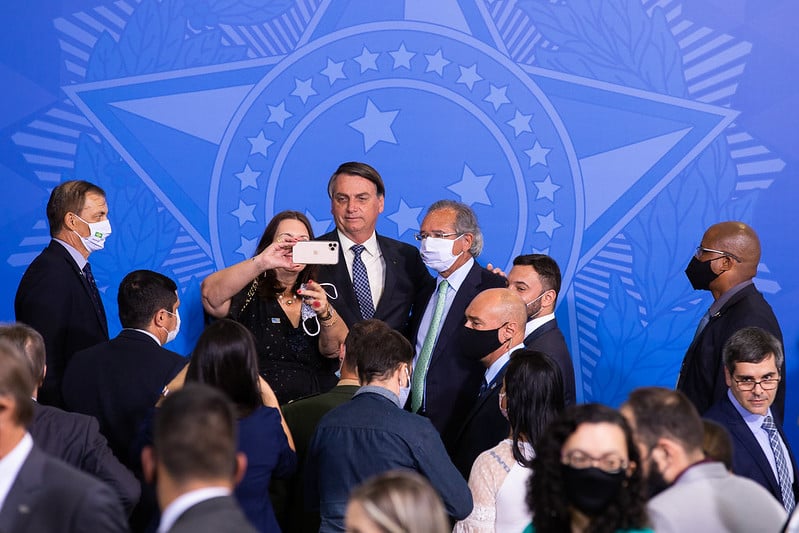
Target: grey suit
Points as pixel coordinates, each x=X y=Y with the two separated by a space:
x=706 y=497
x=50 y=495
x=216 y=515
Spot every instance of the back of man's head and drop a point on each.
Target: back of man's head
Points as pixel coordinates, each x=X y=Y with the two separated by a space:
x=142 y=293
x=195 y=436
x=357 y=342
x=30 y=343
x=16 y=384
x=380 y=353
x=664 y=413
x=751 y=345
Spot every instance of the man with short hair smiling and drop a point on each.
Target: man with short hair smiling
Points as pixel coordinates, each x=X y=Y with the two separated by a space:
x=752 y=359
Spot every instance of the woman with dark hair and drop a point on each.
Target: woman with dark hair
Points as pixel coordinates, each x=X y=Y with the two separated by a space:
x=297 y=332
x=225 y=359
x=586 y=475
x=530 y=398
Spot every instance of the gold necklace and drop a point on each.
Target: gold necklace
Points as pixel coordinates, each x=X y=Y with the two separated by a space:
x=287 y=301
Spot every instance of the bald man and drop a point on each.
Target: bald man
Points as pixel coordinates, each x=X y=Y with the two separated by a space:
x=494 y=329
x=725 y=263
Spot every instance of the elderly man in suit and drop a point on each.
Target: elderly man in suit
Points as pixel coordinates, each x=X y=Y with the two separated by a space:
x=58 y=294
x=118 y=381
x=495 y=322
x=444 y=383
x=690 y=492
x=37 y=491
x=725 y=262
x=376 y=277
x=752 y=361
x=72 y=437
x=194 y=463
x=536 y=278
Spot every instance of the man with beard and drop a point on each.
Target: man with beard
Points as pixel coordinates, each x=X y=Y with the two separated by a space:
x=689 y=492
x=536 y=278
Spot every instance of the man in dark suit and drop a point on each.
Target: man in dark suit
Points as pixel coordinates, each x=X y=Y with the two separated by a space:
x=40 y=492
x=445 y=384
x=725 y=263
x=118 y=381
x=72 y=437
x=57 y=295
x=752 y=361
x=194 y=462
x=495 y=320
x=390 y=274
x=536 y=278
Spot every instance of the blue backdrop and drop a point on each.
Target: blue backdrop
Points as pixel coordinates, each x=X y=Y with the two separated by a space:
x=607 y=133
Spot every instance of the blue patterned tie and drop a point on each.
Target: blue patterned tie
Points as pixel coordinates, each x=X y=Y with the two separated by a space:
x=360 y=282
x=423 y=362
x=783 y=477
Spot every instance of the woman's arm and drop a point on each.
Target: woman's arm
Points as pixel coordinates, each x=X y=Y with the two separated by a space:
x=270 y=400
x=219 y=287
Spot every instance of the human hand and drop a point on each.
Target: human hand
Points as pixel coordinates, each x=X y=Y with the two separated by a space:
x=276 y=255
x=496 y=270
x=315 y=296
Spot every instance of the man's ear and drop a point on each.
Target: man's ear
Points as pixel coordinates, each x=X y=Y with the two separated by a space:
x=549 y=297
x=241 y=468
x=727 y=376
x=148 y=465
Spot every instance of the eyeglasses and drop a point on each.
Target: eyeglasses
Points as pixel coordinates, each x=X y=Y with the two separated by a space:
x=610 y=462
x=435 y=234
x=701 y=249
x=749 y=384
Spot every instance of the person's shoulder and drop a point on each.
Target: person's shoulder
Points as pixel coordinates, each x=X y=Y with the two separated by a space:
x=487 y=278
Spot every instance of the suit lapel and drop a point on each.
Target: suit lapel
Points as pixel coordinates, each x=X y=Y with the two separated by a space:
x=753 y=449
x=455 y=318
x=62 y=252
x=492 y=393
x=544 y=328
x=390 y=259
x=19 y=503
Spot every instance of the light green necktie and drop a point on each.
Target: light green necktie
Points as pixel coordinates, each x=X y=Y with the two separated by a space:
x=423 y=362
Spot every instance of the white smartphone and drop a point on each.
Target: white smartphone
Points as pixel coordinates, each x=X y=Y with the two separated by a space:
x=315 y=252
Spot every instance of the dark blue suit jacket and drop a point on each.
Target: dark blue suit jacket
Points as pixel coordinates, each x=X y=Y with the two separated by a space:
x=453 y=381
x=53 y=298
x=549 y=339
x=76 y=439
x=748 y=459
x=406 y=278
x=702 y=373
x=50 y=495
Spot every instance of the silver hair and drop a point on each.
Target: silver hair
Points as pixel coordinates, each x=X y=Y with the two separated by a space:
x=465 y=222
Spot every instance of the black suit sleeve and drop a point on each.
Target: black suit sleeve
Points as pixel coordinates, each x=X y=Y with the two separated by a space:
x=99 y=511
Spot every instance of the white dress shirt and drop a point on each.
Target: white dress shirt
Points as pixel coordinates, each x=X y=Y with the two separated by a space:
x=11 y=464
x=536 y=323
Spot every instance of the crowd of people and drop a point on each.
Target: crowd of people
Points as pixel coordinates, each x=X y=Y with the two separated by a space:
x=370 y=395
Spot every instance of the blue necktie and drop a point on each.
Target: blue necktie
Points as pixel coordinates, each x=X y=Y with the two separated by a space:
x=783 y=478
x=360 y=282
x=95 y=294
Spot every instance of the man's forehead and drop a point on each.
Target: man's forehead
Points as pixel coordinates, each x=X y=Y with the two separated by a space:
x=525 y=273
x=766 y=366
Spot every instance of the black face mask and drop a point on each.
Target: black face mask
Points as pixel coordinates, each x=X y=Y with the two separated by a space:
x=655 y=482
x=475 y=344
x=700 y=274
x=591 y=489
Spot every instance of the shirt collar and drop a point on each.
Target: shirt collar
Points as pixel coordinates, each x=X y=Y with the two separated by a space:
x=370 y=244
x=455 y=280
x=716 y=306
x=74 y=253
x=382 y=391
x=537 y=322
x=496 y=366
x=183 y=502
x=146 y=333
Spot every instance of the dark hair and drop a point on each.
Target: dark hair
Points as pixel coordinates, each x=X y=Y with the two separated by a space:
x=547 y=269
x=660 y=412
x=465 y=222
x=30 y=343
x=357 y=341
x=16 y=381
x=354 y=168
x=534 y=392
x=717 y=443
x=752 y=345
x=195 y=434
x=68 y=197
x=143 y=293
x=381 y=353
x=268 y=285
x=225 y=358
x=402 y=500
x=546 y=492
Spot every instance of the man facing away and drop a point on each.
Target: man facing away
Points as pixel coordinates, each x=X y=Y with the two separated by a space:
x=689 y=492
x=536 y=278
x=58 y=295
x=376 y=277
x=725 y=262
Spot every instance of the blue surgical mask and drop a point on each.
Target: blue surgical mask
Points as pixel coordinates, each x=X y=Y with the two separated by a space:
x=405 y=392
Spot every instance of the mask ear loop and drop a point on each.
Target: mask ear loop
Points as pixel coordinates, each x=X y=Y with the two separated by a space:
x=333 y=296
x=308 y=313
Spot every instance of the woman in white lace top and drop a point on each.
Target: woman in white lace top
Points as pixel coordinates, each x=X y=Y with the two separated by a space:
x=531 y=396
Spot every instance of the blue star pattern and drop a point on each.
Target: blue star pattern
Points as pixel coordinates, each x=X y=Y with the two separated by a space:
x=406 y=218
x=375 y=126
x=472 y=188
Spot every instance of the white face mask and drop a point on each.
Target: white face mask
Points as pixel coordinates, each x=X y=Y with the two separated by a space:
x=170 y=335
x=437 y=253
x=98 y=233
x=405 y=392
